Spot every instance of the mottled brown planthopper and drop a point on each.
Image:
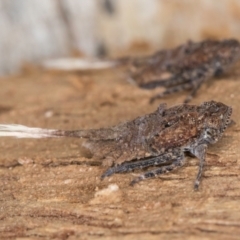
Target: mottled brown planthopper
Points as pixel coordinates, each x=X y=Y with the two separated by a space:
x=185 y=67
x=156 y=139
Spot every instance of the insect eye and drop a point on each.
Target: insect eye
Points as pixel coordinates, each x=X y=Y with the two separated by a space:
x=214 y=109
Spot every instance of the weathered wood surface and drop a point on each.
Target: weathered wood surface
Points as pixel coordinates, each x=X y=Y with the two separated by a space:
x=50 y=191
x=33 y=30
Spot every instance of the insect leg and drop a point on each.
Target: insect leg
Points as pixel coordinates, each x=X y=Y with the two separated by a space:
x=199 y=152
x=143 y=163
x=186 y=86
x=196 y=86
x=172 y=81
x=164 y=169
